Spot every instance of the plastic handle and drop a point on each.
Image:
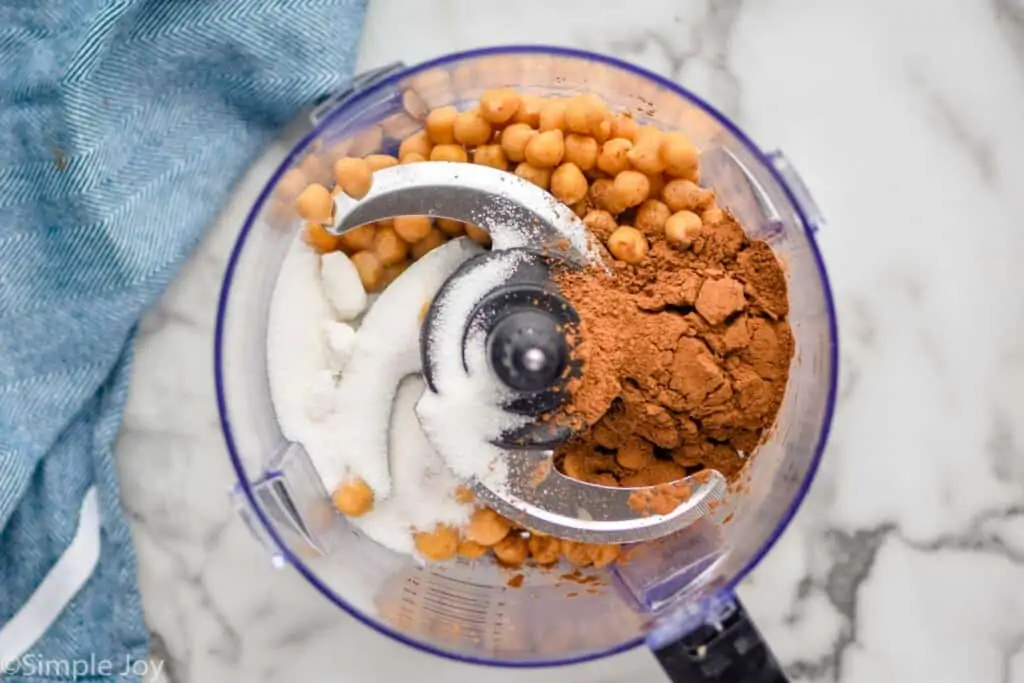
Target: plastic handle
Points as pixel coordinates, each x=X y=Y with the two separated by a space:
x=727 y=649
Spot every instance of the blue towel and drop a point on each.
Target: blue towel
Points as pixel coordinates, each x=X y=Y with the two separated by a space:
x=123 y=125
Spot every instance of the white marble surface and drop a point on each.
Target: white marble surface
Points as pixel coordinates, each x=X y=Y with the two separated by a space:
x=906 y=564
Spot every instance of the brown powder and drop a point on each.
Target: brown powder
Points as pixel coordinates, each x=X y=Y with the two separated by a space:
x=685 y=357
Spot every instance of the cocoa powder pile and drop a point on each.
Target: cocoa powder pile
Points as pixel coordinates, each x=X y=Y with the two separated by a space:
x=685 y=358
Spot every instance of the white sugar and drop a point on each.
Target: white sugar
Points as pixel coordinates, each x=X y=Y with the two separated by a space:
x=342 y=285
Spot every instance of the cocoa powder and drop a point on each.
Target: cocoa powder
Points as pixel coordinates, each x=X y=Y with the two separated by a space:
x=685 y=359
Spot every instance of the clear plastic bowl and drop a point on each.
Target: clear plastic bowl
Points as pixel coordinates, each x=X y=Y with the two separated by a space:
x=466 y=610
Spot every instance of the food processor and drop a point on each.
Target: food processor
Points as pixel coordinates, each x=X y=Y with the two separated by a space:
x=676 y=592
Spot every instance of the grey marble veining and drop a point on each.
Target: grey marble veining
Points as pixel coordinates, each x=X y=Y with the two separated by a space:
x=906 y=562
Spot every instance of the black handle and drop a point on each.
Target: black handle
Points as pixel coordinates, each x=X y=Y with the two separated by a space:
x=729 y=651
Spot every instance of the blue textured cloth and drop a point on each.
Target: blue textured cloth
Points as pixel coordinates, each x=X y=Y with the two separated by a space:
x=123 y=125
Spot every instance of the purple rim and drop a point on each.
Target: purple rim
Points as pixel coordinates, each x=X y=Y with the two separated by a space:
x=236 y=251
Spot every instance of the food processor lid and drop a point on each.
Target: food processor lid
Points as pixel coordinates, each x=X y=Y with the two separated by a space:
x=500 y=328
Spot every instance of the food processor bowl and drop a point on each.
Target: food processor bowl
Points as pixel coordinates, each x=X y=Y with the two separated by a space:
x=676 y=593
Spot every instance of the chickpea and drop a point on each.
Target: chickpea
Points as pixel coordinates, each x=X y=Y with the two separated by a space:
x=291 y=183
x=631 y=187
x=378 y=161
x=529 y=109
x=679 y=154
x=541 y=177
x=440 y=544
x=545 y=149
x=577 y=553
x=490 y=155
x=354 y=176
x=584 y=114
x=487 y=527
x=315 y=204
x=433 y=240
x=635 y=454
x=418 y=143
x=681 y=227
x=471 y=550
x=471 y=129
x=580 y=208
x=353 y=498
x=681 y=194
x=316 y=167
x=568 y=183
x=712 y=215
x=412 y=158
x=604 y=554
x=389 y=247
x=450 y=227
x=391 y=273
x=358 y=239
x=645 y=155
x=440 y=125
x=624 y=126
x=603 y=132
x=601 y=223
x=464 y=494
x=603 y=196
x=651 y=216
x=371 y=271
x=573 y=465
x=601 y=479
x=581 y=150
x=412 y=228
x=657 y=181
x=514 y=140
x=499 y=106
x=552 y=115
x=478 y=235
x=545 y=550
x=614 y=156
x=628 y=244
x=322 y=241
x=512 y=550
x=445 y=152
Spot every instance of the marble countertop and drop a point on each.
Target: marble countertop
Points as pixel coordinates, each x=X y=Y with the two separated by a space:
x=906 y=563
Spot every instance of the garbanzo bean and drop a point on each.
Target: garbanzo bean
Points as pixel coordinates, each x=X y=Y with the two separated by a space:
x=529 y=109
x=412 y=228
x=681 y=226
x=545 y=149
x=584 y=114
x=478 y=235
x=464 y=494
x=628 y=244
x=471 y=550
x=390 y=247
x=651 y=216
x=315 y=203
x=679 y=154
x=580 y=208
x=581 y=150
x=471 y=129
x=419 y=143
x=712 y=215
x=603 y=132
x=353 y=498
x=359 y=238
x=412 y=158
x=450 y=152
x=680 y=194
x=322 y=241
x=490 y=155
x=603 y=196
x=613 y=158
x=601 y=223
x=391 y=273
x=512 y=550
x=552 y=115
x=578 y=554
x=371 y=271
x=624 y=126
x=440 y=124
x=631 y=187
x=635 y=454
x=657 y=181
x=354 y=176
x=541 y=177
x=514 y=140
x=379 y=161
x=433 y=240
x=604 y=554
x=487 y=527
x=544 y=550
x=450 y=227
x=568 y=183
x=645 y=156
x=499 y=106
x=440 y=544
